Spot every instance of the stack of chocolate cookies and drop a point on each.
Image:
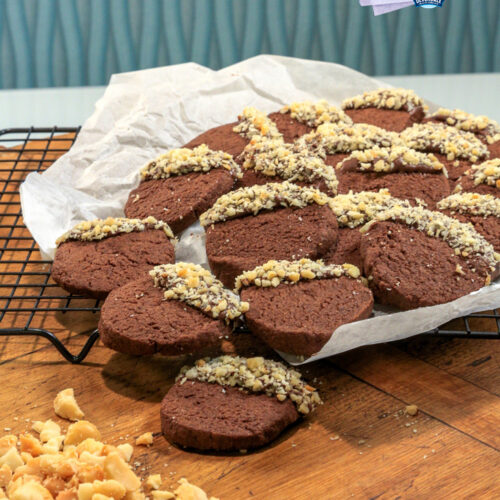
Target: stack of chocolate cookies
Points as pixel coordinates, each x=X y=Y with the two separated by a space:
x=311 y=214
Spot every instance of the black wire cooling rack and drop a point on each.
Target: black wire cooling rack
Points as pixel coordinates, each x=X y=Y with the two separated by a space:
x=30 y=300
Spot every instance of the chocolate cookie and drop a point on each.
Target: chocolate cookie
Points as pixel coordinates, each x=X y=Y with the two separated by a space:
x=267 y=160
x=181 y=184
x=485 y=129
x=353 y=210
x=252 y=225
x=414 y=258
x=483 y=179
x=233 y=137
x=98 y=256
x=390 y=109
x=338 y=141
x=406 y=173
x=481 y=210
x=180 y=308
x=455 y=149
x=296 y=306
x=299 y=118
x=234 y=403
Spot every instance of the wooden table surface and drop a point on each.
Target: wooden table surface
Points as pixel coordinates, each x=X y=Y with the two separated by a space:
x=359 y=444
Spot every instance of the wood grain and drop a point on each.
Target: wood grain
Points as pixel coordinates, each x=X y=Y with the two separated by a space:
x=359 y=444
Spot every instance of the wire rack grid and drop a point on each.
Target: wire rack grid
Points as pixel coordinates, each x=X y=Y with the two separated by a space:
x=32 y=304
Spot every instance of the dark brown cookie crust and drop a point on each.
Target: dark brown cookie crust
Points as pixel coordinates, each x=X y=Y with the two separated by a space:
x=489 y=226
x=388 y=119
x=179 y=200
x=494 y=150
x=455 y=168
x=241 y=244
x=221 y=138
x=300 y=318
x=208 y=416
x=335 y=159
x=347 y=249
x=466 y=182
x=288 y=126
x=252 y=178
x=428 y=187
x=408 y=269
x=94 y=268
x=135 y=319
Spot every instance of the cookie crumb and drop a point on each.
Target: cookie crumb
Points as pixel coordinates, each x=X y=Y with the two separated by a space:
x=411 y=410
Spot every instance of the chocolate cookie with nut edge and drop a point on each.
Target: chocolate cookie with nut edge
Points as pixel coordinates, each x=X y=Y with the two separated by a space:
x=98 y=256
x=233 y=137
x=178 y=309
x=335 y=142
x=455 y=149
x=353 y=210
x=414 y=258
x=483 y=179
x=252 y=225
x=295 y=307
x=406 y=173
x=484 y=128
x=299 y=118
x=481 y=210
x=181 y=184
x=234 y=403
x=272 y=160
x=390 y=109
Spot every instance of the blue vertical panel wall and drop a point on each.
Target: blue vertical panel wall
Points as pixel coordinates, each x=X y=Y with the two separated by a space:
x=82 y=42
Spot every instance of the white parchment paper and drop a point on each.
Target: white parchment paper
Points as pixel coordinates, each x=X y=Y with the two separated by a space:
x=143 y=113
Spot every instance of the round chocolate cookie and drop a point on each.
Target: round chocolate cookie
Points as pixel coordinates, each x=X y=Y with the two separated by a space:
x=295 y=307
x=98 y=256
x=483 y=179
x=390 y=109
x=455 y=149
x=276 y=221
x=208 y=416
x=406 y=173
x=481 y=210
x=299 y=118
x=234 y=411
x=170 y=312
x=416 y=258
x=180 y=185
x=266 y=160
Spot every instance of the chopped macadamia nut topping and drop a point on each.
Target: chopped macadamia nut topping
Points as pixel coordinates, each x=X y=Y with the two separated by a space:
x=65 y=405
x=487 y=172
x=99 y=229
x=411 y=410
x=462 y=237
x=255 y=375
x=291 y=162
x=446 y=140
x=314 y=114
x=87 y=470
x=252 y=200
x=337 y=138
x=199 y=288
x=472 y=204
x=355 y=209
x=185 y=161
x=395 y=159
x=276 y=272
x=254 y=122
x=477 y=124
x=398 y=99
x=145 y=439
